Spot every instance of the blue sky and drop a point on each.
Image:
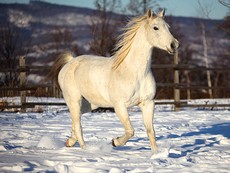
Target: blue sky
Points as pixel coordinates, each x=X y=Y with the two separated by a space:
x=173 y=7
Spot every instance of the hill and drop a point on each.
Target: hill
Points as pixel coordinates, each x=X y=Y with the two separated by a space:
x=40 y=22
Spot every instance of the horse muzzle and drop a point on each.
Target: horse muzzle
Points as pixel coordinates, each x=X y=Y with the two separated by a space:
x=173 y=47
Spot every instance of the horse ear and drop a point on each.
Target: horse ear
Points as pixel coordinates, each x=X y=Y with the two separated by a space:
x=149 y=13
x=161 y=13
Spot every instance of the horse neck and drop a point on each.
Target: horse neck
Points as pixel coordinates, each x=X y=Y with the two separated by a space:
x=139 y=56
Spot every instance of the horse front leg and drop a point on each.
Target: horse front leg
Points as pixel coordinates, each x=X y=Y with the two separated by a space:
x=147 y=109
x=122 y=114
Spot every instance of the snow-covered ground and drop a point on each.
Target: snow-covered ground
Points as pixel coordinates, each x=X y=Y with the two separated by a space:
x=191 y=140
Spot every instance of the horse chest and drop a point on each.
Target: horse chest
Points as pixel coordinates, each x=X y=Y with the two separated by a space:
x=143 y=90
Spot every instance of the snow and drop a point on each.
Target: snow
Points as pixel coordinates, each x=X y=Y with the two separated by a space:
x=191 y=140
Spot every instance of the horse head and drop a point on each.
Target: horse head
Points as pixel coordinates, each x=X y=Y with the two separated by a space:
x=158 y=34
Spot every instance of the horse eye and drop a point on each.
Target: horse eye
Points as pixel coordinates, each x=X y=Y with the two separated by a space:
x=155 y=28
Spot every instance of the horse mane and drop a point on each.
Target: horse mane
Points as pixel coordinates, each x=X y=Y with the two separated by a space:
x=125 y=40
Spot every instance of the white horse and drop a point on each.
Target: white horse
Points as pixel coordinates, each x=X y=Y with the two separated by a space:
x=121 y=81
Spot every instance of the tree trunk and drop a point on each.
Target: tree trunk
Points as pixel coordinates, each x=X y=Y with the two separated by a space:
x=206 y=59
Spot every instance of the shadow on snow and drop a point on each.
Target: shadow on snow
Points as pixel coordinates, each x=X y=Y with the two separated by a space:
x=216 y=129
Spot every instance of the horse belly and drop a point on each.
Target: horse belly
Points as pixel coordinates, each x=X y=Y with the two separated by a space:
x=98 y=101
x=95 y=97
x=93 y=86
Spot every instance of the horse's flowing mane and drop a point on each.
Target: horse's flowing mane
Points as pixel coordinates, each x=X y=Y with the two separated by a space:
x=125 y=40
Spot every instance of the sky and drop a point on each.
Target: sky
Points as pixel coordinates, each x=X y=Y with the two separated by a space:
x=187 y=8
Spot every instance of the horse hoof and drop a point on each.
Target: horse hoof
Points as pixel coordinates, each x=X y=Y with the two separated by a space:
x=70 y=142
x=67 y=144
x=113 y=143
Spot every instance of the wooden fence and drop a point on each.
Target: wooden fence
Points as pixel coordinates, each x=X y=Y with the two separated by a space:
x=49 y=90
x=24 y=90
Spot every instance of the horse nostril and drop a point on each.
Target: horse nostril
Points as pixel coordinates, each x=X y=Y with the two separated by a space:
x=173 y=46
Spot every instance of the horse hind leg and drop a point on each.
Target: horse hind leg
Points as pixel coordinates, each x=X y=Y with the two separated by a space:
x=74 y=104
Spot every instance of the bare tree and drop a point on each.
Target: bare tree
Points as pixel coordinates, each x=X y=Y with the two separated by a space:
x=223 y=77
x=104 y=27
x=139 y=7
x=223 y=57
x=205 y=11
x=225 y=3
x=12 y=45
x=225 y=25
x=62 y=39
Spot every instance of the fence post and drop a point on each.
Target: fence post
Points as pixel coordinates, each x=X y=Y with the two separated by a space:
x=22 y=78
x=176 y=83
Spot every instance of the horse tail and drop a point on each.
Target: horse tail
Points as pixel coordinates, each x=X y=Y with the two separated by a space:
x=58 y=64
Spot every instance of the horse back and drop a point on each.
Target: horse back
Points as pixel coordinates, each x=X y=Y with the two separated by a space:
x=92 y=77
